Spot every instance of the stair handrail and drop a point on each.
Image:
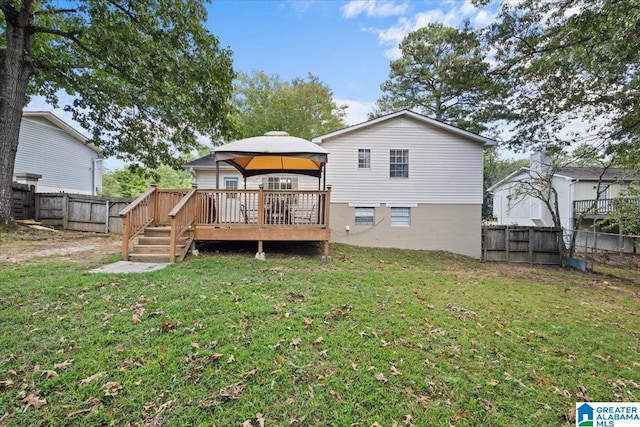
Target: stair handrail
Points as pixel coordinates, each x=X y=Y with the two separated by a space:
x=182 y=216
x=136 y=216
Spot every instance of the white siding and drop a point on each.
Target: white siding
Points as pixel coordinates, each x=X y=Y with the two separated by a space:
x=443 y=167
x=65 y=163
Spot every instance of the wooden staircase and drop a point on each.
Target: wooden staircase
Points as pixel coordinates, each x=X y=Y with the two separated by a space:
x=154 y=245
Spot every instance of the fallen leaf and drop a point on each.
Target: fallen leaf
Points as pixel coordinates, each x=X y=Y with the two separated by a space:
x=395 y=371
x=320 y=340
x=33 y=401
x=375 y=425
x=422 y=400
x=97 y=403
x=232 y=391
x=92 y=378
x=216 y=356
x=64 y=365
x=135 y=319
x=307 y=321
x=260 y=419
x=381 y=377
x=111 y=388
x=493 y=382
x=250 y=373
x=49 y=373
x=295 y=341
x=324 y=352
x=247 y=424
x=231 y=359
x=7 y=383
x=408 y=419
x=335 y=395
x=354 y=366
x=195 y=345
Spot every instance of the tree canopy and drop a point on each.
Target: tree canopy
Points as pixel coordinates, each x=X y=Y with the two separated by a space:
x=131 y=182
x=303 y=107
x=572 y=70
x=146 y=77
x=442 y=73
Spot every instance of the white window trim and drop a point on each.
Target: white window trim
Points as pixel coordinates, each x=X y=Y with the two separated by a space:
x=363 y=205
x=401 y=205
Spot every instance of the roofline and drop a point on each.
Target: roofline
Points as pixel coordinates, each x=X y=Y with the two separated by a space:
x=55 y=120
x=507 y=178
x=486 y=142
x=555 y=175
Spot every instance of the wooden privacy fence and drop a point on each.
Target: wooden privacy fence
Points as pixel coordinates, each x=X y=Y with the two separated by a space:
x=24 y=201
x=521 y=244
x=80 y=212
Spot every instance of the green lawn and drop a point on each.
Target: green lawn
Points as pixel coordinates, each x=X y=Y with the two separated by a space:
x=376 y=337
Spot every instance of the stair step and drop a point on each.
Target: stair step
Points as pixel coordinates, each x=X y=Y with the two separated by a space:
x=156 y=240
x=154 y=249
x=157 y=231
x=149 y=257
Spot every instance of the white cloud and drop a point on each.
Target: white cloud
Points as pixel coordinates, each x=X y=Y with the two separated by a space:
x=374 y=8
x=356 y=111
x=454 y=16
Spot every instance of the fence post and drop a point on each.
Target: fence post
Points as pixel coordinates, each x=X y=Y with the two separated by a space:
x=586 y=253
x=506 y=242
x=530 y=245
x=65 y=211
x=106 y=219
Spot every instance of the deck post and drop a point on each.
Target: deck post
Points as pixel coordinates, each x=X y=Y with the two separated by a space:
x=125 y=237
x=261 y=210
x=154 y=204
x=173 y=239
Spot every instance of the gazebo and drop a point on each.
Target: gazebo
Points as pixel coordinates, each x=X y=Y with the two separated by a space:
x=239 y=214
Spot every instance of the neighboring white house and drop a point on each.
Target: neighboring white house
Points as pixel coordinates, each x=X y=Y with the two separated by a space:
x=577 y=189
x=401 y=181
x=56 y=157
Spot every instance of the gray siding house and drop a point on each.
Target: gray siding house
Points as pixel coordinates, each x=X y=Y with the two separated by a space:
x=56 y=157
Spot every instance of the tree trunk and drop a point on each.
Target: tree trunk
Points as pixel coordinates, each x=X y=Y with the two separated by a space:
x=15 y=71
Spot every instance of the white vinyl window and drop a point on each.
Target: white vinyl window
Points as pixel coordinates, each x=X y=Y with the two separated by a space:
x=280 y=183
x=364 y=216
x=399 y=163
x=400 y=217
x=364 y=158
x=231 y=183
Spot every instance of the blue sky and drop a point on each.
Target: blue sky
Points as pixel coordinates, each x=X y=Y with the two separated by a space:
x=347 y=44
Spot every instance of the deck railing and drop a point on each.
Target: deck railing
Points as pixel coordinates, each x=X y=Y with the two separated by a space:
x=181 y=217
x=264 y=209
x=135 y=217
x=601 y=206
x=150 y=208
x=238 y=208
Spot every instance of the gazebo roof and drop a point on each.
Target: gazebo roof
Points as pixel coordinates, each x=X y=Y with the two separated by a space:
x=273 y=152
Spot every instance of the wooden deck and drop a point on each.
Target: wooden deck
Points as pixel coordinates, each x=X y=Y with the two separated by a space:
x=228 y=215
